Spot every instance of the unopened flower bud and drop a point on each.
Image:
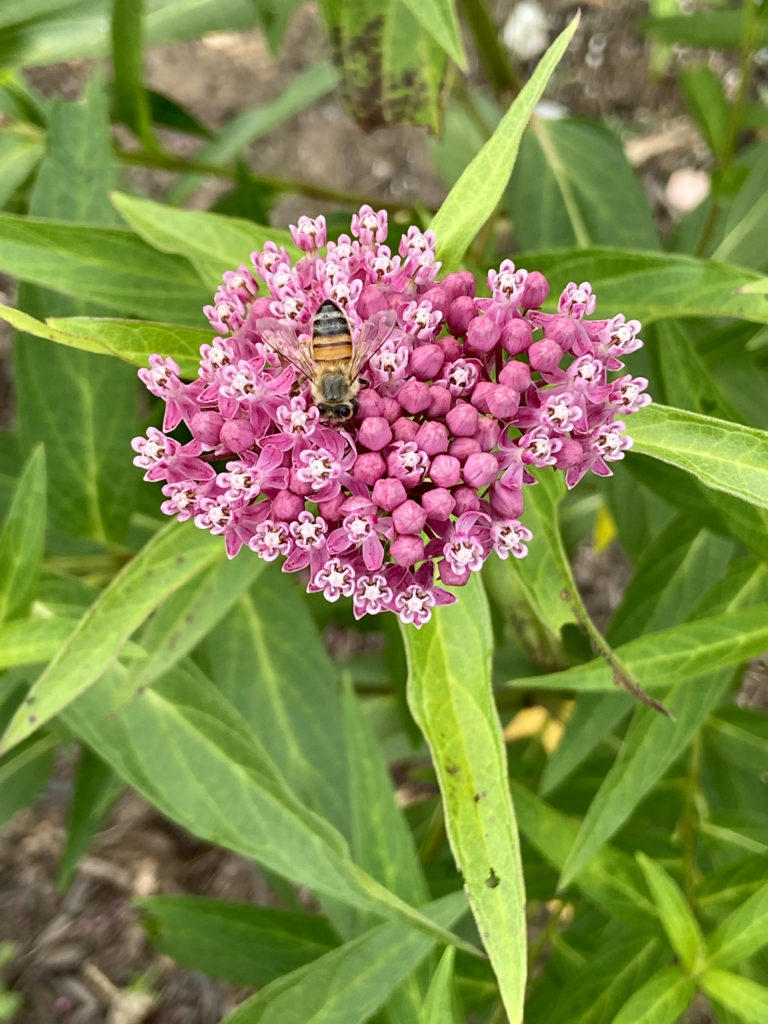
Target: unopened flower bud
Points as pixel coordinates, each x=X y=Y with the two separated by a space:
x=535 y=290
x=438 y=503
x=480 y=470
x=445 y=471
x=331 y=509
x=440 y=401
x=545 y=355
x=515 y=375
x=516 y=335
x=460 y=314
x=462 y=419
x=286 y=506
x=409 y=517
x=502 y=402
x=237 y=435
x=480 y=394
x=414 y=396
x=451 y=348
x=569 y=454
x=461 y=282
x=438 y=297
x=563 y=330
x=372 y=300
x=506 y=502
x=432 y=438
x=375 y=433
x=389 y=493
x=407 y=549
x=405 y=429
x=370 y=404
x=482 y=334
x=463 y=447
x=449 y=576
x=390 y=409
x=488 y=431
x=369 y=467
x=425 y=362
x=206 y=427
x=466 y=499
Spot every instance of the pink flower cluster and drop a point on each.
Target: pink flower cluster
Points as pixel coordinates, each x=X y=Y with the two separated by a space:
x=465 y=396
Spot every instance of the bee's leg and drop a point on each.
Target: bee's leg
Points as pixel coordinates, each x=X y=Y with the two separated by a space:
x=363 y=383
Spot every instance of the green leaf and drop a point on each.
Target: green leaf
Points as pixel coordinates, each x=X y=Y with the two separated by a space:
x=237 y=942
x=742 y=933
x=184 y=747
x=741 y=735
x=655 y=286
x=592 y=720
x=572 y=185
x=96 y=789
x=440 y=1002
x=23 y=773
x=725 y=456
x=160 y=568
x=725 y=889
x=391 y=69
x=211 y=242
x=476 y=194
x=746 y=221
x=22 y=538
x=109 y=267
x=83 y=409
x=299 y=93
x=131 y=102
x=348 y=984
x=650 y=746
x=449 y=694
x=720 y=30
x=708 y=106
x=671 y=655
x=744 y=997
x=660 y=1000
x=612 y=881
x=604 y=981
x=131 y=340
x=20 y=152
x=26 y=641
x=681 y=926
x=438 y=18
x=268 y=658
x=274 y=18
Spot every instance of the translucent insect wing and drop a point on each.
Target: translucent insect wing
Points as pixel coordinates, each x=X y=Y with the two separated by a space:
x=284 y=341
x=372 y=336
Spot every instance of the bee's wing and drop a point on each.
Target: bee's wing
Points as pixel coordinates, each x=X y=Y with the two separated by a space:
x=373 y=335
x=284 y=341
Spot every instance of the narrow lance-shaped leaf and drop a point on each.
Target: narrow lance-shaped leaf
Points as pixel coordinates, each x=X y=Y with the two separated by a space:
x=660 y=1000
x=449 y=693
x=131 y=340
x=237 y=942
x=212 y=242
x=22 y=536
x=440 y=1002
x=676 y=916
x=725 y=456
x=745 y=997
x=162 y=566
x=184 y=747
x=476 y=194
x=348 y=984
x=742 y=933
x=131 y=102
x=438 y=18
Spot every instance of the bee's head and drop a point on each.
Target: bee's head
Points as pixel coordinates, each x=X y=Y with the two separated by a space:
x=338 y=413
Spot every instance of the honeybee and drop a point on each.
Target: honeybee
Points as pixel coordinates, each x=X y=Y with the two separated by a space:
x=332 y=360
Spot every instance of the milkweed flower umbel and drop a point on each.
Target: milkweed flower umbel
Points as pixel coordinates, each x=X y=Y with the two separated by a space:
x=466 y=395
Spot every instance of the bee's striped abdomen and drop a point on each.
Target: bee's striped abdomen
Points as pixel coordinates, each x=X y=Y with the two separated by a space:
x=331 y=340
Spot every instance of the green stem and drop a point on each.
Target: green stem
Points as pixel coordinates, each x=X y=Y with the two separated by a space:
x=689 y=820
x=735 y=122
x=493 y=56
x=171 y=162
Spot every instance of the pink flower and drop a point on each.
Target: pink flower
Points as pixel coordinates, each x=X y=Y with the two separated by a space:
x=429 y=478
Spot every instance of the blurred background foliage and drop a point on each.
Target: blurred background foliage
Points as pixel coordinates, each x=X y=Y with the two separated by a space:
x=145 y=148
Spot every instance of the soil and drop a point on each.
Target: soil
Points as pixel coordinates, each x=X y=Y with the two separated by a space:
x=81 y=956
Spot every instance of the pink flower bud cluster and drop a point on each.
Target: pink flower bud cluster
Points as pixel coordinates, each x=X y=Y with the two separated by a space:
x=465 y=396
